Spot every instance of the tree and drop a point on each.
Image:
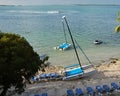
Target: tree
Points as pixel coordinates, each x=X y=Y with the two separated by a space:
x=117 y=28
x=18 y=62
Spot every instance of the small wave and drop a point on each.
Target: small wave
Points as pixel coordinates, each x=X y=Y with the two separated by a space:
x=35 y=12
x=52 y=12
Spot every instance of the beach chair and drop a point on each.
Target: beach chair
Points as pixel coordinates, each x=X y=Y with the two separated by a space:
x=115 y=86
x=44 y=94
x=90 y=91
x=99 y=89
x=42 y=76
x=106 y=88
x=36 y=95
x=57 y=75
x=78 y=92
x=47 y=75
x=70 y=92
x=34 y=79
x=54 y=75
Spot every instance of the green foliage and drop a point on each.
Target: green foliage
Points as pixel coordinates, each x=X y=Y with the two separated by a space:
x=117 y=28
x=118 y=19
x=17 y=60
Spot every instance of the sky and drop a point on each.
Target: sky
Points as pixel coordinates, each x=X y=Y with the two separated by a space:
x=53 y=2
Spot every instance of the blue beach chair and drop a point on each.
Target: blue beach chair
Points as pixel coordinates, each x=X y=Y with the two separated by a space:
x=99 y=89
x=44 y=94
x=115 y=86
x=90 y=91
x=57 y=75
x=70 y=92
x=34 y=78
x=106 y=88
x=47 y=76
x=37 y=95
x=78 y=92
x=42 y=76
x=54 y=75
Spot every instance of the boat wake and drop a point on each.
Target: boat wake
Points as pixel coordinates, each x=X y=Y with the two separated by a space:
x=35 y=12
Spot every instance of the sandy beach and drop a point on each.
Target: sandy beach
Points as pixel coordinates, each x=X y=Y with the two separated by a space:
x=106 y=73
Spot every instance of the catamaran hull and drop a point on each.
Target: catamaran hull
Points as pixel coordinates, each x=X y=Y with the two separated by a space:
x=79 y=75
x=63 y=46
x=87 y=71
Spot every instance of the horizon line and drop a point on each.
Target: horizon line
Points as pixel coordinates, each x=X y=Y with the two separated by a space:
x=58 y=4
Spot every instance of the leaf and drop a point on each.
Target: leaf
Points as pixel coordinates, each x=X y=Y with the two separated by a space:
x=118 y=19
x=117 y=29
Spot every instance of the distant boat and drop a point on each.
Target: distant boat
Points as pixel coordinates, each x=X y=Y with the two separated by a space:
x=77 y=70
x=97 y=42
x=65 y=45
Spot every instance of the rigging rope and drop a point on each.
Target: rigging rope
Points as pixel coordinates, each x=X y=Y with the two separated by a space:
x=83 y=52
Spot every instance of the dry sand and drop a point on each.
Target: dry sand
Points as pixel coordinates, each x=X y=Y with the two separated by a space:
x=106 y=73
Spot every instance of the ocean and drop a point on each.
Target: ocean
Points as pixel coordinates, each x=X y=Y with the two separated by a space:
x=42 y=28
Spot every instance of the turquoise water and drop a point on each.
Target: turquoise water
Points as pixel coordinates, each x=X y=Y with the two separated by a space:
x=42 y=27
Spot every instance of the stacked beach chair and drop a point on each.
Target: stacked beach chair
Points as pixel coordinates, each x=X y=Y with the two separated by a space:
x=49 y=76
x=46 y=76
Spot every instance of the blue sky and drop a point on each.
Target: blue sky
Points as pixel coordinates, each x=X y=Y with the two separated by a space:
x=44 y=2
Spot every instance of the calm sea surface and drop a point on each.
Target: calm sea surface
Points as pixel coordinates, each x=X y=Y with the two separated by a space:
x=42 y=27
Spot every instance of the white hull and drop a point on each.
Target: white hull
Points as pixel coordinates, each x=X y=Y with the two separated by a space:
x=87 y=70
x=63 y=46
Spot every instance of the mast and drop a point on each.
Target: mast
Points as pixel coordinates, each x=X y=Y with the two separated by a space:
x=72 y=40
x=64 y=32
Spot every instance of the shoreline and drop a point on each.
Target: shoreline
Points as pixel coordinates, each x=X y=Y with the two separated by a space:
x=96 y=57
x=106 y=73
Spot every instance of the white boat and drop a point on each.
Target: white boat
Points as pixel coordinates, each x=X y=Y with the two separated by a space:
x=97 y=42
x=65 y=45
x=77 y=70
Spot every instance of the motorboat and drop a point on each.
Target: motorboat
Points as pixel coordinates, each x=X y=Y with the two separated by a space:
x=97 y=42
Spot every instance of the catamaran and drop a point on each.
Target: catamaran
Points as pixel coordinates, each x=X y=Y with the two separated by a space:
x=65 y=45
x=77 y=70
